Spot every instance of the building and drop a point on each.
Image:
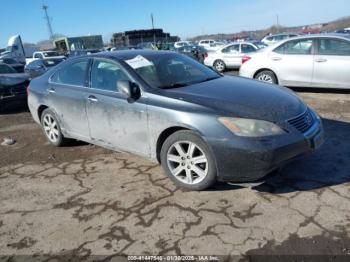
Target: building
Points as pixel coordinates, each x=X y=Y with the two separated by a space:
x=136 y=37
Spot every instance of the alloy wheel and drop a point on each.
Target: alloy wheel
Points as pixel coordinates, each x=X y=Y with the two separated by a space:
x=187 y=162
x=219 y=66
x=265 y=78
x=51 y=128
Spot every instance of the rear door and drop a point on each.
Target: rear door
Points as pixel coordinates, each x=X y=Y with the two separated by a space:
x=232 y=56
x=113 y=121
x=332 y=63
x=66 y=94
x=293 y=62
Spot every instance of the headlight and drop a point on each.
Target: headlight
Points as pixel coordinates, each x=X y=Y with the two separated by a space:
x=251 y=127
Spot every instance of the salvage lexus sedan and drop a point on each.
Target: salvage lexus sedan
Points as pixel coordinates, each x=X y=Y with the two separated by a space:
x=201 y=126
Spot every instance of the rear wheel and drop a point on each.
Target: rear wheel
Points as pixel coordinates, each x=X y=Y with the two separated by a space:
x=266 y=76
x=188 y=161
x=219 y=66
x=51 y=128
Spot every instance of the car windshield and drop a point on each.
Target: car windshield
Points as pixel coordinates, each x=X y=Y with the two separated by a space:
x=5 y=69
x=170 y=70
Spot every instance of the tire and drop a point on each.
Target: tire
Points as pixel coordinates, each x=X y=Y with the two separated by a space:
x=219 y=66
x=266 y=76
x=51 y=128
x=181 y=167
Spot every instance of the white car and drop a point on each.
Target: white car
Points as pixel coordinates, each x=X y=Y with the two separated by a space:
x=307 y=61
x=206 y=43
x=44 y=55
x=229 y=56
x=215 y=46
x=272 y=39
x=182 y=43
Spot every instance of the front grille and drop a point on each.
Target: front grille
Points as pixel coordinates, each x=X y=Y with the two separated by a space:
x=302 y=122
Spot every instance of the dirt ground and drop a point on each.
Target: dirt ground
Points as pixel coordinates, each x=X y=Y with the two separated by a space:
x=85 y=200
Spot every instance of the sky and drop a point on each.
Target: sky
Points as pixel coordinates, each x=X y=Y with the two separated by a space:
x=185 y=18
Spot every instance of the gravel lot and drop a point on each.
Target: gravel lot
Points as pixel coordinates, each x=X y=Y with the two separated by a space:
x=85 y=200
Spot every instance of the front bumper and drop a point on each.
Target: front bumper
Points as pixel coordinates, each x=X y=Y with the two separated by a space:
x=249 y=159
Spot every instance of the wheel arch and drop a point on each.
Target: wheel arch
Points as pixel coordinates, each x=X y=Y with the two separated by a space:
x=40 y=110
x=266 y=69
x=164 y=135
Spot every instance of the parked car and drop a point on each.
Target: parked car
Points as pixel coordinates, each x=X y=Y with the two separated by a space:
x=182 y=43
x=206 y=43
x=19 y=67
x=40 y=66
x=307 y=61
x=201 y=126
x=81 y=53
x=229 y=56
x=215 y=46
x=196 y=52
x=12 y=87
x=43 y=55
x=271 y=39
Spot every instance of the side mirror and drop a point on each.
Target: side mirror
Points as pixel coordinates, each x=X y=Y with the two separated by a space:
x=129 y=90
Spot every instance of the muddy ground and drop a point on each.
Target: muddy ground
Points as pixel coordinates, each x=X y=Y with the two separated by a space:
x=85 y=200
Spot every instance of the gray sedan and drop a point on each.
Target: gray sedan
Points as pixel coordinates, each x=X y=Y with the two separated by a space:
x=201 y=126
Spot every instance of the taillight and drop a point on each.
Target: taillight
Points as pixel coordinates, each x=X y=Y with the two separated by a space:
x=245 y=59
x=28 y=90
x=205 y=55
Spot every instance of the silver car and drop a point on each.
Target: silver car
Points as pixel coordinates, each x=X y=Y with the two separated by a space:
x=307 y=61
x=201 y=126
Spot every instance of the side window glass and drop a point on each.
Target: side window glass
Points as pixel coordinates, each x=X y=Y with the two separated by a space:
x=231 y=49
x=296 y=47
x=247 y=48
x=333 y=47
x=72 y=74
x=104 y=75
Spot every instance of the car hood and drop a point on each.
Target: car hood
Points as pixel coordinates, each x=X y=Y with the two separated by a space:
x=240 y=97
x=13 y=79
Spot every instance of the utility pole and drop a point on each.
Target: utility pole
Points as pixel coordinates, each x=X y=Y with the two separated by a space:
x=45 y=7
x=154 y=35
x=277 y=21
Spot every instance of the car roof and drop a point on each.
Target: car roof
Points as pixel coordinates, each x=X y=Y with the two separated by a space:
x=324 y=35
x=128 y=54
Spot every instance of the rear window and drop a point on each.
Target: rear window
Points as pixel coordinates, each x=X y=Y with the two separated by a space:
x=333 y=47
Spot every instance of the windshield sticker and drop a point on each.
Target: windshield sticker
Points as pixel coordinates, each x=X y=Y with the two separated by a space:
x=138 y=61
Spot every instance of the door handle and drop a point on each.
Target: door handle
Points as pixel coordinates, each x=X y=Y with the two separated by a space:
x=320 y=60
x=276 y=58
x=51 y=90
x=92 y=99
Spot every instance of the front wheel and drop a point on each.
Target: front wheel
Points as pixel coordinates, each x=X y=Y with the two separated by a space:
x=266 y=76
x=188 y=161
x=219 y=66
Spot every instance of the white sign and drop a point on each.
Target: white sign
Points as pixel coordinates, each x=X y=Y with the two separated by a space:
x=138 y=61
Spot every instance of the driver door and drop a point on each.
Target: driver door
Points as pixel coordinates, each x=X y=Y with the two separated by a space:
x=113 y=121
